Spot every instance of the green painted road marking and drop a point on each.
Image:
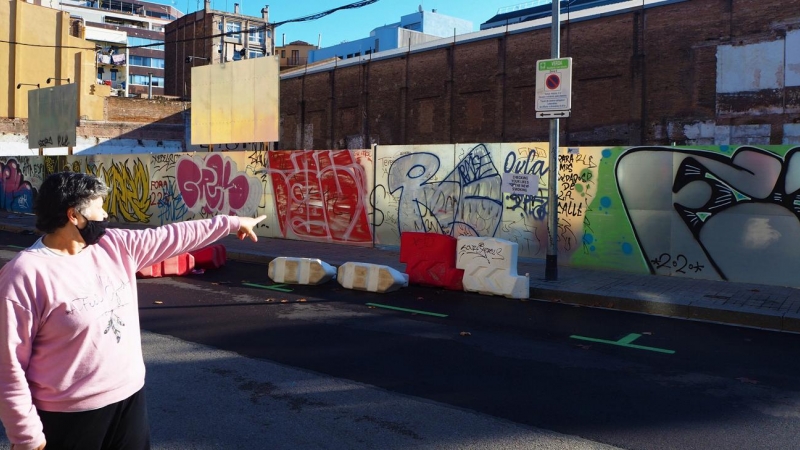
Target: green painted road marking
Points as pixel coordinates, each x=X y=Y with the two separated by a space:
x=274 y=287
x=625 y=342
x=15 y=246
x=415 y=311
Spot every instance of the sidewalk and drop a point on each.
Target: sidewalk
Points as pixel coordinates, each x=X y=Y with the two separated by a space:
x=746 y=304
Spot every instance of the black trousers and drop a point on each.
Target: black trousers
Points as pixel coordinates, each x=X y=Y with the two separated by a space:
x=119 y=426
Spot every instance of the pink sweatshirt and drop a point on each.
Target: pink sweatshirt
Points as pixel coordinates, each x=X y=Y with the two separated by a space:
x=69 y=325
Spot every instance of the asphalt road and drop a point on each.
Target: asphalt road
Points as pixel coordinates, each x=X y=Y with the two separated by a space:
x=723 y=387
x=629 y=380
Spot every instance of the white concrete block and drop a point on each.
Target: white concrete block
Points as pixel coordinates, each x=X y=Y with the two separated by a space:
x=751 y=131
x=490 y=267
x=722 y=134
x=707 y=129
x=370 y=277
x=791 y=133
x=300 y=270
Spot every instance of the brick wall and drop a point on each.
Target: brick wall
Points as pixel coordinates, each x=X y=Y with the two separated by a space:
x=638 y=78
x=145 y=111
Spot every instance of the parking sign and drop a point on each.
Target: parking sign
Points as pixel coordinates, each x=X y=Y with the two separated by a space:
x=553 y=87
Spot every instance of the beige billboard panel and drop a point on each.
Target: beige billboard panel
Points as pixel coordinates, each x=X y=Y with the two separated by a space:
x=235 y=102
x=52 y=116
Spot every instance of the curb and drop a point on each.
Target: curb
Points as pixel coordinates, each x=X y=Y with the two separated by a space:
x=778 y=321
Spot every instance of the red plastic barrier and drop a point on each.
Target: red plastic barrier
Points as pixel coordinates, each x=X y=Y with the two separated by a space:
x=176 y=266
x=430 y=260
x=211 y=257
x=153 y=271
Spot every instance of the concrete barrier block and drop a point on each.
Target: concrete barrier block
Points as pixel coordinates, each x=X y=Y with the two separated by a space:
x=370 y=277
x=286 y=269
x=490 y=267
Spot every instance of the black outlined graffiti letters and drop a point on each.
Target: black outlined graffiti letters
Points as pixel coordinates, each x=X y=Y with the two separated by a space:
x=736 y=216
x=466 y=202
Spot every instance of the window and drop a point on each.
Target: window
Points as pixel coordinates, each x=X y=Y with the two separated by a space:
x=137 y=41
x=144 y=61
x=234 y=28
x=254 y=53
x=283 y=53
x=113 y=74
x=143 y=79
x=256 y=35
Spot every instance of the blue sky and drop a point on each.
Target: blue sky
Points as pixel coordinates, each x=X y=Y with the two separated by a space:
x=350 y=24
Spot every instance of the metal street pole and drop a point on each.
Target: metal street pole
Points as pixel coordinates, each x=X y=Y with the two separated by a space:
x=551 y=265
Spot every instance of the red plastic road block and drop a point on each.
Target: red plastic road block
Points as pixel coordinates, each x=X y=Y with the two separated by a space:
x=176 y=266
x=211 y=257
x=430 y=260
x=153 y=271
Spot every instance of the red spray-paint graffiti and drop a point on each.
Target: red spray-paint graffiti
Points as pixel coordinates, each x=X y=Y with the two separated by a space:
x=321 y=195
x=215 y=186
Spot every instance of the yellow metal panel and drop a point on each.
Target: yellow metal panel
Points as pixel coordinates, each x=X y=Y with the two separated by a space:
x=221 y=102
x=201 y=105
x=235 y=102
x=242 y=101
x=266 y=88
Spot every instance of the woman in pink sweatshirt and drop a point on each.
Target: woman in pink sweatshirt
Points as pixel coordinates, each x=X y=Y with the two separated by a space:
x=71 y=367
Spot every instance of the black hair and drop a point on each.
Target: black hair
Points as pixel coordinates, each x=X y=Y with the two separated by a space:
x=61 y=191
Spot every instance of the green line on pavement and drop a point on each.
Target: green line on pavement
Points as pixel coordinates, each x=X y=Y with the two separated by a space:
x=415 y=311
x=625 y=342
x=274 y=287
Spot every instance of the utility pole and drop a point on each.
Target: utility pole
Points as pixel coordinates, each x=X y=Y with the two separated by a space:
x=551 y=264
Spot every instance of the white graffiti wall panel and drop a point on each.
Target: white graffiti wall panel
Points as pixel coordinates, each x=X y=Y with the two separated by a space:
x=257 y=167
x=323 y=195
x=525 y=214
x=732 y=216
x=478 y=202
x=416 y=189
x=215 y=183
x=20 y=177
x=723 y=213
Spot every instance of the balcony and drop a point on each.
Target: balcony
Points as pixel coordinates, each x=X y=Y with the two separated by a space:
x=295 y=61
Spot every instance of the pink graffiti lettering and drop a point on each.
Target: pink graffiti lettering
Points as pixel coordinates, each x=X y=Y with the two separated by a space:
x=212 y=185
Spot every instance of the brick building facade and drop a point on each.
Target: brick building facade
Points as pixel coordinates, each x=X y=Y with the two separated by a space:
x=649 y=75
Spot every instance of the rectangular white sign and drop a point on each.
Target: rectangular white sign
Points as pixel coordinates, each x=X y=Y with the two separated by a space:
x=520 y=183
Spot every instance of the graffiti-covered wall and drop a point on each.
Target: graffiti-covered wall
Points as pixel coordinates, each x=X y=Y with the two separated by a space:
x=724 y=213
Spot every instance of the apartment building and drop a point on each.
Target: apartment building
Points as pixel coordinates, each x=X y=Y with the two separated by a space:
x=210 y=36
x=294 y=54
x=129 y=36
